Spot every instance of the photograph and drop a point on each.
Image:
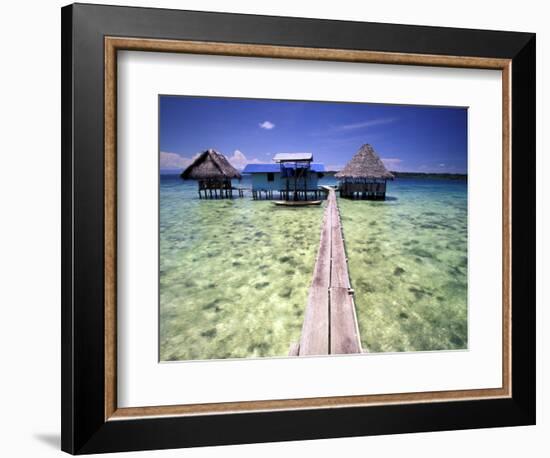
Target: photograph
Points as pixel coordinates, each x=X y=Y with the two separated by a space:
x=278 y=217
x=292 y=228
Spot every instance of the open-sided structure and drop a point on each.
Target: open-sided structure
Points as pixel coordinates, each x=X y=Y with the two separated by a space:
x=364 y=176
x=214 y=173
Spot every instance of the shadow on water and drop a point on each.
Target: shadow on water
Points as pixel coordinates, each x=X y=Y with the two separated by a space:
x=387 y=199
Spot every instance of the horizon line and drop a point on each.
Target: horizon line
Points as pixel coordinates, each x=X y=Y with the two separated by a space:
x=179 y=171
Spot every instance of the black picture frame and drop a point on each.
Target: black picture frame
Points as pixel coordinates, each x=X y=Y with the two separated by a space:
x=84 y=428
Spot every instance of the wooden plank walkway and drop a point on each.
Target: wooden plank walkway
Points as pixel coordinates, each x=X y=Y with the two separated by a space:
x=330 y=321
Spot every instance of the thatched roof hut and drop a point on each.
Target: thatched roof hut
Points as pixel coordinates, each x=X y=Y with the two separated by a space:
x=210 y=165
x=365 y=176
x=213 y=172
x=365 y=164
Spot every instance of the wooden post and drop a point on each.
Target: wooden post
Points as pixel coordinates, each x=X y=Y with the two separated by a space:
x=294 y=349
x=287 y=189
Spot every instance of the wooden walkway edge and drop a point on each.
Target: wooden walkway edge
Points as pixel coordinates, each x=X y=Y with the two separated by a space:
x=330 y=321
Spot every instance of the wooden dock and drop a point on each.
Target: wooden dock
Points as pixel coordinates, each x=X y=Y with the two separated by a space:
x=330 y=322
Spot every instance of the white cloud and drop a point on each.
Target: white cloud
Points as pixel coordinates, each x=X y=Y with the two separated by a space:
x=334 y=167
x=364 y=124
x=239 y=160
x=171 y=161
x=174 y=160
x=441 y=165
x=267 y=125
x=392 y=163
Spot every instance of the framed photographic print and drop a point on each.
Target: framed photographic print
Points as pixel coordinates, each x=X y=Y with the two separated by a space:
x=282 y=228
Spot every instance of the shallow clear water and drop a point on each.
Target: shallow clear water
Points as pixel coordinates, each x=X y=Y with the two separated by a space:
x=408 y=265
x=234 y=274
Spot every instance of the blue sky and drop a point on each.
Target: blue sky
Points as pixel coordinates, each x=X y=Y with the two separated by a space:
x=407 y=138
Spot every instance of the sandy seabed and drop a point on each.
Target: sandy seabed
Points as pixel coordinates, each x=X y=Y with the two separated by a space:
x=234 y=274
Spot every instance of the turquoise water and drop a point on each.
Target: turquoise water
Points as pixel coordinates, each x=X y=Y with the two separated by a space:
x=234 y=274
x=408 y=265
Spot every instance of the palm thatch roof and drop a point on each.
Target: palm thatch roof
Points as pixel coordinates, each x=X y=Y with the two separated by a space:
x=210 y=165
x=365 y=164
